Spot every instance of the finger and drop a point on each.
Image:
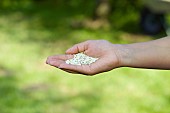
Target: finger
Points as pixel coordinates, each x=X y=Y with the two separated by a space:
x=70 y=71
x=58 y=57
x=56 y=63
x=83 y=69
x=81 y=47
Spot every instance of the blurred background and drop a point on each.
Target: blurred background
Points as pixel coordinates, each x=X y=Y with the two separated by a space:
x=32 y=30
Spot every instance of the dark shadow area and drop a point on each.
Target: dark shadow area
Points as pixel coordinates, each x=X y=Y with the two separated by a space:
x=131 y=21
x=133 y=27
x=50 y=17
x=51 y=21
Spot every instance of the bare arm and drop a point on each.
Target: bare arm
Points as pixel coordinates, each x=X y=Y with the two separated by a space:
x=153 y=54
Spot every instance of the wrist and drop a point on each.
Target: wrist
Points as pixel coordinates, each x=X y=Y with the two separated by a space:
x=124 y=54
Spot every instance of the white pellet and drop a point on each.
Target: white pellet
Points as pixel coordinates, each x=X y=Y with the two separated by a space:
x=81 y=59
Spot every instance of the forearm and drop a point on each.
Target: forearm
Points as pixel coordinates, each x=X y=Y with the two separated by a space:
x=154 y=54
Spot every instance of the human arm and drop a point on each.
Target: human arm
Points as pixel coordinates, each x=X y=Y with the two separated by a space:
x=153 y=54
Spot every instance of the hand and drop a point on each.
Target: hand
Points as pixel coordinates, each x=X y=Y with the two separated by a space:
x=104 y=50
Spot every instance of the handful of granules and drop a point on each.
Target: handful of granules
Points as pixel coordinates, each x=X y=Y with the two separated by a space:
x=81 y=59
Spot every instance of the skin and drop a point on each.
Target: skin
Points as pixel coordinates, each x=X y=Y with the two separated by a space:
x=151 y=55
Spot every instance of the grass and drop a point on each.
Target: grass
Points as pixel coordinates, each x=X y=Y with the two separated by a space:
x=28 y=85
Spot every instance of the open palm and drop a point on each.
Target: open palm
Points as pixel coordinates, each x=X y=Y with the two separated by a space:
x=104 y=50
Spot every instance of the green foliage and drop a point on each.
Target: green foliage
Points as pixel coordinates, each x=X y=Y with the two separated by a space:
x=120 y=4
x=124 y=5
x=12 y=4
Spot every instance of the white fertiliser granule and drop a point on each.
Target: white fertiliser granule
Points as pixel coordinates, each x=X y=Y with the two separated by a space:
x=81 y=59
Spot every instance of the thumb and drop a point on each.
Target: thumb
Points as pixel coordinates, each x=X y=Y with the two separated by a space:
x=81 y=47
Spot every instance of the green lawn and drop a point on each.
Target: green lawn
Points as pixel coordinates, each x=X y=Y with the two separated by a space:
x=28 y=85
